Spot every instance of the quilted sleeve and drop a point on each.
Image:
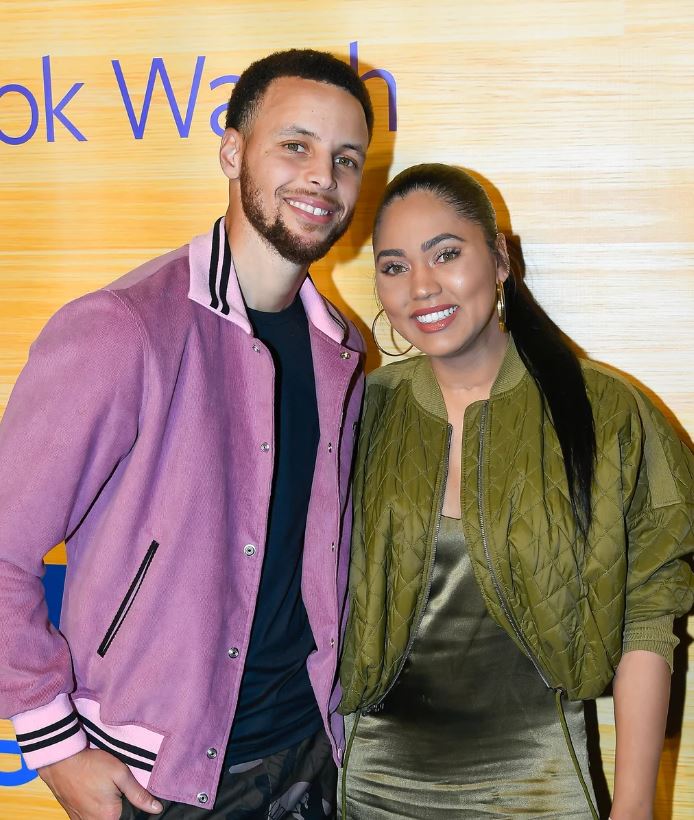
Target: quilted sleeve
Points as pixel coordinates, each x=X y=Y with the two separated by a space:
x=365 y=572
x=660 y=516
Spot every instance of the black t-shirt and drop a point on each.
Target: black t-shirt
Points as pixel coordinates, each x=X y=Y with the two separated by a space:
x=277 y=707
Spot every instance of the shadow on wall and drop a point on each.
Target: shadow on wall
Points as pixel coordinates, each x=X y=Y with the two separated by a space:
x=374 y=180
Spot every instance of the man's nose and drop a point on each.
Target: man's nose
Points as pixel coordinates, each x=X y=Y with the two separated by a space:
x=321 y=172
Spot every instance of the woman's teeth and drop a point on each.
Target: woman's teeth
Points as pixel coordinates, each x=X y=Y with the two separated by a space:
x=437 y=316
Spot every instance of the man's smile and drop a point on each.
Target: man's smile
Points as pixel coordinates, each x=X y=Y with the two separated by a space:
x=314 y=209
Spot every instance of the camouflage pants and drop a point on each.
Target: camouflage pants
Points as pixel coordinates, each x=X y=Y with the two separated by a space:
x=298 y=783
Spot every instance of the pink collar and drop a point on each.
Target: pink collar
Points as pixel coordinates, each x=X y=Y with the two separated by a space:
x=213 y=284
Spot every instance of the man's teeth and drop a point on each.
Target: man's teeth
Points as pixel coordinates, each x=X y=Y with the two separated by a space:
x=428 y=318
x=303 y=206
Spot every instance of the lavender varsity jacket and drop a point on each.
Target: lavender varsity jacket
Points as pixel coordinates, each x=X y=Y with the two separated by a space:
x=141 y=433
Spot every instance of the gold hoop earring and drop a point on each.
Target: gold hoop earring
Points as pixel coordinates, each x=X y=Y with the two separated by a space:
x=383 y=350
x=501 y=306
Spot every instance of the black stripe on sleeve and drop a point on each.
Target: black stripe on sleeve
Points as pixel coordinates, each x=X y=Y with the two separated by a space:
x=47 y=729
x=50 y=741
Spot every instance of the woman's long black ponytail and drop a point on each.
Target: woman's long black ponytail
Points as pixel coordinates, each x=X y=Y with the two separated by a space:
x=557 y=373
x=541 y=345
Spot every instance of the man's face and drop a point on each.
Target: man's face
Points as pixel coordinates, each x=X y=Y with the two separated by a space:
x=302 y=166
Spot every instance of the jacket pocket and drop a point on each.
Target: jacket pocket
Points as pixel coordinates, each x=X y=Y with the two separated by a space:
x=127 y=602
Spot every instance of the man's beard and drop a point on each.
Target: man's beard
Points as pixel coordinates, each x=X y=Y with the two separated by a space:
x=277 y=234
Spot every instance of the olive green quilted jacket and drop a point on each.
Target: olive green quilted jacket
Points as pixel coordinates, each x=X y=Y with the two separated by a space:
x=573 y=607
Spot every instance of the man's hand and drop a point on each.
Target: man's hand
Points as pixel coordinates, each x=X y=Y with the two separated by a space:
x=89 y=786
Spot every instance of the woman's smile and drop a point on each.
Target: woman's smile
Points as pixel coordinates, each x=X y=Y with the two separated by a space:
x=431 y=320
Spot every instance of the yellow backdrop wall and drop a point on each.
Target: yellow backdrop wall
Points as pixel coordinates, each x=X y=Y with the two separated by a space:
x=579 y=116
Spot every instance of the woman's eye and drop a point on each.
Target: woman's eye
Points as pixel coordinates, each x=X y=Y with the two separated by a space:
x=393 y=268
x=447 y=254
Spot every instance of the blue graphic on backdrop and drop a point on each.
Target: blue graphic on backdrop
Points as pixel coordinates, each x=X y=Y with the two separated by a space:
x=19 y=776
x=53 y=583
x=55 y=112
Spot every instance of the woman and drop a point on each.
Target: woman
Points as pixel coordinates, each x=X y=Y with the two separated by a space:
x=518 y=521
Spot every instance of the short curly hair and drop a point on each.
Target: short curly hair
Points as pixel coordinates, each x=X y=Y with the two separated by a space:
x=307 y=64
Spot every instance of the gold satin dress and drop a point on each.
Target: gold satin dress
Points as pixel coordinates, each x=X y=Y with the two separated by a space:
x=469 y=730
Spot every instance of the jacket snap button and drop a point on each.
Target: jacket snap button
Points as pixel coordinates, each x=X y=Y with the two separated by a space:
x=265 y=446
x=212 y=753
x=332 y=642
x=249 y=550
x=332 y=547
x=345 y=354
x=202 y=797
x=330 y=446
x=256 y=349
x=233 y=652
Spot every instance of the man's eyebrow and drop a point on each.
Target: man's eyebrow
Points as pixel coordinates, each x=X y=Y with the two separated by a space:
x=297 y=130
x=390 y=252
x=358 y=149
x=439 y=238
x=293 y=130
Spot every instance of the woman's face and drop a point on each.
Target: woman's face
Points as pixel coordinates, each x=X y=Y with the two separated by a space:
x=436 y=276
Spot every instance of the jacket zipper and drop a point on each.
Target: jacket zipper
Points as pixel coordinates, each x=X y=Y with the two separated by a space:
x=413 y=633
x=483 y=531
x=127 y=602
x=511 y=619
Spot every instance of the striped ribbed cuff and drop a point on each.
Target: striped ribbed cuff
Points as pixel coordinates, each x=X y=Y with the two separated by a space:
x=49 y=733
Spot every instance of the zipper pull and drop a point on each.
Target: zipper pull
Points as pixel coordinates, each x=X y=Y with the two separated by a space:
x=374 y=709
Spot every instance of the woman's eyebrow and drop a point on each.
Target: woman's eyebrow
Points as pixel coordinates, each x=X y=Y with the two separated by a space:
x=425 y=246
x=390 y=252
x=439 y=238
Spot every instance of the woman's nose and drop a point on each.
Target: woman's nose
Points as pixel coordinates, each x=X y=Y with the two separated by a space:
x=423 y=283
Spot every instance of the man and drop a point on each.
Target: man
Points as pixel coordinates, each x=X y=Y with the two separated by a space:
x=188 y=431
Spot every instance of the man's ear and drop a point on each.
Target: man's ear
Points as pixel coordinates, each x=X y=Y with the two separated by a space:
x=231 y=152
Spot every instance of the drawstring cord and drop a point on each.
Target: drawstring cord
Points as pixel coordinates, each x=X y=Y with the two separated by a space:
x=348 y=749
x=562 y=719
